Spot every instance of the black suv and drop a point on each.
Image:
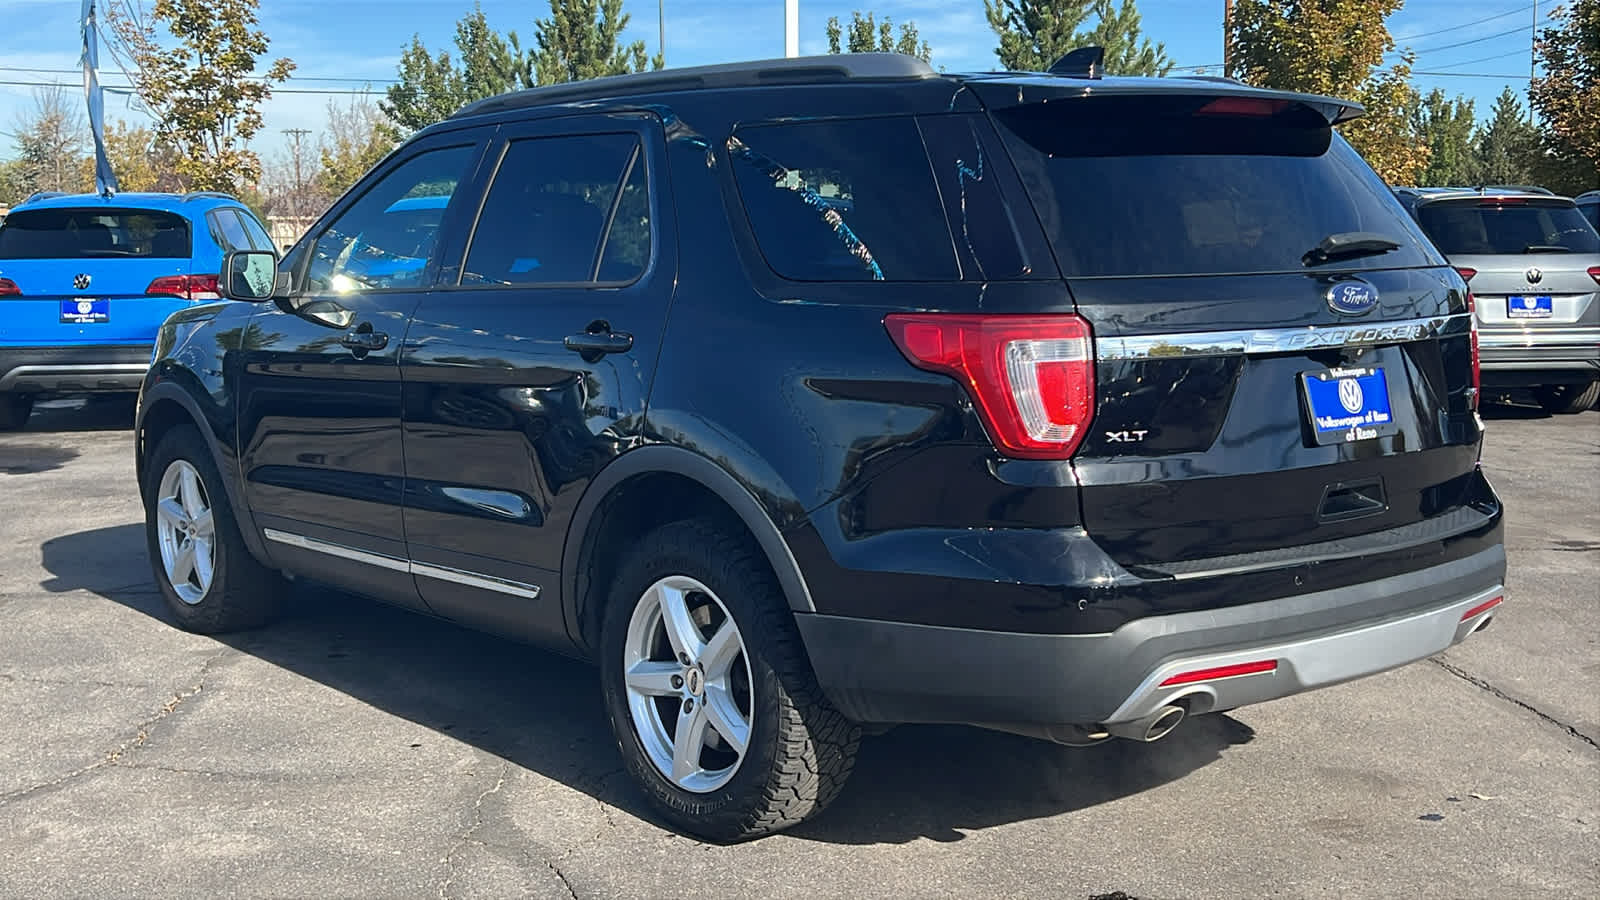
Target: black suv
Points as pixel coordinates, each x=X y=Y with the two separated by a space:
x=809 y=395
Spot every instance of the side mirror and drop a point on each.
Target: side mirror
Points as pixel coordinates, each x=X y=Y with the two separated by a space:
x=250 y=275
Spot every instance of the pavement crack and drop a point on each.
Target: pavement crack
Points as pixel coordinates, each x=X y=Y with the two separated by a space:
x=1484 y=685
x=68 y=682
x=468 y=835
x=140 y=736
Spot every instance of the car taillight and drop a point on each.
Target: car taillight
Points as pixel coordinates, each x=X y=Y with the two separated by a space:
x=189 y=287
x=1031 y=377
x=8 y=288
x=1594 y=272
x=1466 y=273
x=1477 y=369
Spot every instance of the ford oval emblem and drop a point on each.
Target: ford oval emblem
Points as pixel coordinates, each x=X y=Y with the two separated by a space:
x=1352 y=297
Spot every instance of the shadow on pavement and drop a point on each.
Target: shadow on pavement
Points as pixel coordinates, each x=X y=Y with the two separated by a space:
x=30 y=459
x=543 y=712
x=100 y=412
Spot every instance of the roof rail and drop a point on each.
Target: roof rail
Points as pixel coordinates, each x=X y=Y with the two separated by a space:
x=44 y=195
x=833 y=67
x=199 y=195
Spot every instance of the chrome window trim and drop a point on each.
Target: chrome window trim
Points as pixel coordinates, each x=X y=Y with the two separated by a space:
x=410 y=566
x=1263 y=341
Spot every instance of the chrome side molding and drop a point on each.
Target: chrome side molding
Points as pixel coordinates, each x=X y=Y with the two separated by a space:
x=1262 y=341
x=395 y=563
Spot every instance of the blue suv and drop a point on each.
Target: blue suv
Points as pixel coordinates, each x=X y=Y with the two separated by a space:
x=86 y=280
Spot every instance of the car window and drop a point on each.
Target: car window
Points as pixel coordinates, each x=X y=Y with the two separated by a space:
x=93 y=234
x=547 y=208
x=627 y=245
x=259 y=239
x=1195 y=185
x=228 y=230
x=385 y=239
x=996 y=234
x=843 y=200
x=1592 y=211
x=1494 y=226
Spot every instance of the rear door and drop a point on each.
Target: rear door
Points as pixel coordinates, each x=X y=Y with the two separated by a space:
x=319 y=417
x=1530 y=258
x=1253 y=393
x=93 y=275
x=528 y=370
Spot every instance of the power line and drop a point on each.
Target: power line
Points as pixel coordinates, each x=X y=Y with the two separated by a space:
x=293 y=78
x=1473 y=62
x=1437 y=74
x=128 y=88
x=1522 y=9
x=1489 y=37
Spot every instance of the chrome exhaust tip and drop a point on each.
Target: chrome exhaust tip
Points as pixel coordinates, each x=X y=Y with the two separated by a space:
x=1153 y=727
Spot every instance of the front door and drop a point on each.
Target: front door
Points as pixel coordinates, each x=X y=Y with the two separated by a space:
x=319 y=422
x=528 y=369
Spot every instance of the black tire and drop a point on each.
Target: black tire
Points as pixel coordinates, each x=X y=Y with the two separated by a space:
x=1566 y=399
x=14 y=411
x=801 y=749
x=243 y=593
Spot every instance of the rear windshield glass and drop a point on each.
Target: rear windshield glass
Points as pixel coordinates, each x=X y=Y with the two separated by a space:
x=1468 y=228
x=93 y=234
x=1198 y=186
x=843 y=200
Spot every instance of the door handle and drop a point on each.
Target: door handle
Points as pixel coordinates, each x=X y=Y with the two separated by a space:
x=365 y=340
x=593 y=345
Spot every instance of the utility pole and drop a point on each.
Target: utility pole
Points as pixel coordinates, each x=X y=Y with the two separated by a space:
x=295 y=134
x=1227 y=26
x=661 y=24
x=1533 y=60
x=791 y=28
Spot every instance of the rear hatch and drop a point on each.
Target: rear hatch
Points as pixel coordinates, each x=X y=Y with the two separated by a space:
x=93 y=275
x=1254 y=394
x=1531 y=260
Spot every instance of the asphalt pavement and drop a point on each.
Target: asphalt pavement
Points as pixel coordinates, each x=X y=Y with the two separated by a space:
x=355 y=750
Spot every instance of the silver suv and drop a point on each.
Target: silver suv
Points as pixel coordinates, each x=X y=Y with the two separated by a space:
x=1532 y=260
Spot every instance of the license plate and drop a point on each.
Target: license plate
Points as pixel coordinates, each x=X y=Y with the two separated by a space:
x=85 y=311
x=1347 y=404
x=1529 y=307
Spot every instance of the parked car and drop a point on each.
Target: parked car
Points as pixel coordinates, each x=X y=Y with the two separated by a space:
x=87 y=279
x=1533 y=262
x=815 y=394
x=1589 y=205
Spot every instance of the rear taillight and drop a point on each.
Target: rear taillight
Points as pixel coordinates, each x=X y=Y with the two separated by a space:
x=1243 y=106
x=1594 y=272
x=8 y=288
x=189 y=287
x=1477 y=369
x=1466 y=273
x=1031 y=377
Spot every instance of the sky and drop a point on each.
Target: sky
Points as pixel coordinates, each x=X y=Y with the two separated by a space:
x=1477 y=47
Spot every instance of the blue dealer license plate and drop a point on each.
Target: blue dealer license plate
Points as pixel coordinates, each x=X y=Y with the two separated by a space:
x=85 y=311
x=1520 y=307
x=1348 y=404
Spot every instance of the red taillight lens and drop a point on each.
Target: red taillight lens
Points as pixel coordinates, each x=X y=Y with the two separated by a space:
x=1466 y=273
x=8 y=288
x=1477 y=367
x=1032 y=377
x=1233 y=671
x=1594 y=272
x=1503 y=201
x=1242 y=106
x=189 y=287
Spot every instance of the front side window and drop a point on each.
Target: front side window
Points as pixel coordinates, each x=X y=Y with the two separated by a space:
x=843 y=200
x=94 y=234
x=546 y=213
x=385 y=239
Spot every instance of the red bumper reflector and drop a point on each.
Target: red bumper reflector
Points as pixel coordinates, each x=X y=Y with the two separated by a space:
x=1482 y=608
x=1249 y=668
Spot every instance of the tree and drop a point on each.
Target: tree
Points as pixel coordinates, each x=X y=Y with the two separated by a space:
x=356 y=139
x=199 y=85
x=52 y=141
x=1446 y=126
x=140 y=161
x=579 y=41
x=870 y=36
x=1335 y=47
x=1504 y=146
x=1035 y=33
x=428 y=90
x=1568 y=95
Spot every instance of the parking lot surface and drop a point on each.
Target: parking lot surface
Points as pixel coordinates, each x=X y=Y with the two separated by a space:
x=355 y=750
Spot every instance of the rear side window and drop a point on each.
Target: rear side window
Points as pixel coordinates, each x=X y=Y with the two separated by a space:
x=1195 y=185
x=228 y=230
x=549 y=206
x=94 y=234
x=843 y=200
x=258 y=235
x=1500 y=227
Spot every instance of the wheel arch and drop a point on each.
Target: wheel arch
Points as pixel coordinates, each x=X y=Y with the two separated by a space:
x=696 y=485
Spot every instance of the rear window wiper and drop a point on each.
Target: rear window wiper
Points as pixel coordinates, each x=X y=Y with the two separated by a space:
x=1346 y=244
x=1546 y=248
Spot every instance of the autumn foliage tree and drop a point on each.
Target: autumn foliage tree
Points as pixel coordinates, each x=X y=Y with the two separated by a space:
x=193 y=65
x=1336 y=48
x=1568 y=95
x=868 y=35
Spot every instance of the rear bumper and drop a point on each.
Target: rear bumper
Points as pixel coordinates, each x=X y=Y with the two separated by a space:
x=878 y=671
x=73 y=370
x=1507 y=354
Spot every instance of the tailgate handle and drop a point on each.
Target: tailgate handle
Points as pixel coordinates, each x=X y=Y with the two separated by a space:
x=1352 y=500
